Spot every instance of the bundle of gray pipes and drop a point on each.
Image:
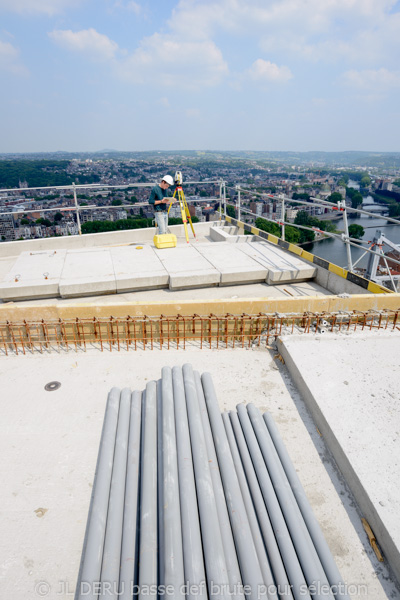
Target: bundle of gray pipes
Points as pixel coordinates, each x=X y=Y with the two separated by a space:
x=191 y=503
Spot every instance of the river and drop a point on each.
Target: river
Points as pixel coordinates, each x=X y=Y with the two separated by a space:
x=335 y=251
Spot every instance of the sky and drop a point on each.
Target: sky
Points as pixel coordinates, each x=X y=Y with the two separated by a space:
x=87 y=75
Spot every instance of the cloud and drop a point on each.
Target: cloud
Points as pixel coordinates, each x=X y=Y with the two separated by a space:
x=89 y=42
x=264 y=71
x=134 y=7
x=164 y=102
x=49 y=7
x=169 y=61
x=9 y=59
x=370 y=79
x=332 y=30
x=160 y=59
x=192 y=113
x=130 y=5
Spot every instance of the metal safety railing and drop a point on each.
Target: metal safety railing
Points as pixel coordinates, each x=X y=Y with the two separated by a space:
x=224 y=202
x=77 y=208
x=163 y=332
x=341 y=206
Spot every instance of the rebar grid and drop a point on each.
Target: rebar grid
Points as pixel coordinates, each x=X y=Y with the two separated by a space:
x=212 y=331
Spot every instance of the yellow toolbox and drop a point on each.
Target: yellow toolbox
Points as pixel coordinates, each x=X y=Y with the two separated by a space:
x=168 y=240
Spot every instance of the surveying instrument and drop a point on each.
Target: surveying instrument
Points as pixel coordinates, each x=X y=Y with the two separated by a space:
x=178 y=193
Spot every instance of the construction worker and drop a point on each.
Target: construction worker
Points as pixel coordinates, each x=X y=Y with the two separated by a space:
x=161 y=202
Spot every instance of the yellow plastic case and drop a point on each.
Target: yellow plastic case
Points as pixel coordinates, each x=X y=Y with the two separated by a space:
x=168 y=240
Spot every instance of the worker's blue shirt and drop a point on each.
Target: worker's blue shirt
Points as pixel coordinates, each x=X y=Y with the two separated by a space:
x=157 y=193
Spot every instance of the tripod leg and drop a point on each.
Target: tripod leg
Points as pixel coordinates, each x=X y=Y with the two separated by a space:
x=183 y=213
x=188 y=214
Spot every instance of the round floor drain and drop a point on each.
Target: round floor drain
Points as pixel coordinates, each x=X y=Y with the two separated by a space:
x=52 y=386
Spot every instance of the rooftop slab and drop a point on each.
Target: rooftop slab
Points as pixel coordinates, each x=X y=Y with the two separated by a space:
x=233 y=265
x=34 y=274
x=351 y=386
x=281 y=267
x=127 y=268
x=87 y=272
x=187 y=267
x=49 y=443
x=137 y=268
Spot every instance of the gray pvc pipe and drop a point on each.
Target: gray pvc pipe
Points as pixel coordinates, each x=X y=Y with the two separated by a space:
x=324 y=553
x=280 y=576
x=309 y=560
x=216 y=569
x=129 y=558
x=148 y=501
x=235 y=578
x=290 y=559
x=174 y=576
x=195 y=577
x=247 y=555
x=251 y=513
x=160 y=485
x=96 y=527
x=112 y=544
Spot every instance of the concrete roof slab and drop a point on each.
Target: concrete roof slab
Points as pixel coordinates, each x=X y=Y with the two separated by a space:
x=187 y=267
x=234 y=266
x=34 y=275
x=351 y=386
x=87 y=273
x=138 y=268
x=281 y=266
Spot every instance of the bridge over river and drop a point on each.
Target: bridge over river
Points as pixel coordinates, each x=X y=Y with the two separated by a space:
x=382 y=209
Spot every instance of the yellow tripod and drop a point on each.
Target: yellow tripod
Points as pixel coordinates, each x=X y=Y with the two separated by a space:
x=184 y=209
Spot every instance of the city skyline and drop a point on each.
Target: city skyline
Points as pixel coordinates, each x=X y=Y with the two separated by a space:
x=80 y=75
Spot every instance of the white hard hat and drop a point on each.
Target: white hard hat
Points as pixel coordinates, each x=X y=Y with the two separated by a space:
x=168 y=179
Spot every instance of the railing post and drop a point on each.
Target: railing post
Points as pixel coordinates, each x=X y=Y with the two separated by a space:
x=220 y=200
x=78 y=220
x=283 y=218
x=342 y=204
x=238 y=202
x=224 y=186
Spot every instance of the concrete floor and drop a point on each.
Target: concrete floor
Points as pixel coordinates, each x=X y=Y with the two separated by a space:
x=49 y=443
x=351 y=385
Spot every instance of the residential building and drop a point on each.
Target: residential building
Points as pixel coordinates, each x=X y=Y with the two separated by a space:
x=7 y=227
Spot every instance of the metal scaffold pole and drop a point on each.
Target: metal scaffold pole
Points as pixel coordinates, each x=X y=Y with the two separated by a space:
x=78 y=220
x=346 y=236
x=322 y=548
x=195 y=576
x=244 y=543
x=129 y=557
x=173 y=574
x=224 y=186
x=110 y=569
x=238 y=202
x=148 y=566
x=96 y=528
x=213 y=548
x=226 y=532
x=298 y=583
x=251 y=513
x=309 y=559
x=267 y=531
x=220 y=200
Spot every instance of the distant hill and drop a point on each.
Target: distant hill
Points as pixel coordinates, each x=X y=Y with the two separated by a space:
x=354 y=158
